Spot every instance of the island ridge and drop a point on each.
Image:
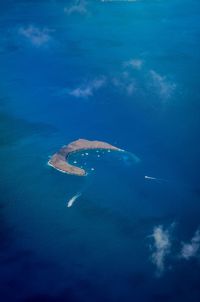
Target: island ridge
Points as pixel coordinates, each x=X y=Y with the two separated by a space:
x=59 y=160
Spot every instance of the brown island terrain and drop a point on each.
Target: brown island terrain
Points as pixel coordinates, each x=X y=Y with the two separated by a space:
x=59 y=160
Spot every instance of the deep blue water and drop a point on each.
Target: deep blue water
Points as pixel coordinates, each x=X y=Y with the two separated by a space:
x=124 y=72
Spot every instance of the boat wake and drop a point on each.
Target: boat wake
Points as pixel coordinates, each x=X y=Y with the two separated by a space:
x=73 y=199
x=154 y=178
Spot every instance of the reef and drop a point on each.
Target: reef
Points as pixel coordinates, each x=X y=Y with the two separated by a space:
x=59 y=160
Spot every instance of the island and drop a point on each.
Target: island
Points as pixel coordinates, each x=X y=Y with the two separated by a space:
x=59 y=160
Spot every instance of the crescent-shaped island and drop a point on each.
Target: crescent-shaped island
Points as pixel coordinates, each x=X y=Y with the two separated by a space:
x=59 y=160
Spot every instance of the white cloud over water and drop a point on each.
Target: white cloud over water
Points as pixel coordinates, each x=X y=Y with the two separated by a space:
x=124 y=82
x=35 y=35
x=161 y=247
x=79 y=7
x=128 y=82
x=134 y=63
x=192 y=248
x=87 y=90
x=162 y=86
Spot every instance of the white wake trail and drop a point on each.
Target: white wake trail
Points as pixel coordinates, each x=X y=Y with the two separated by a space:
x=154 y=178
x=73 y=199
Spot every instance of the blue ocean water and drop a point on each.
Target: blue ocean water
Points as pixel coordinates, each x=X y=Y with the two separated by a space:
x=124 y=72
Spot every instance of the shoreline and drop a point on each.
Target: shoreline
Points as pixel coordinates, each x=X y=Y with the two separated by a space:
x=59 y=160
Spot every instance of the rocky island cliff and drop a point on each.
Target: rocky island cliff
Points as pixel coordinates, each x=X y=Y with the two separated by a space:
x=59 y=160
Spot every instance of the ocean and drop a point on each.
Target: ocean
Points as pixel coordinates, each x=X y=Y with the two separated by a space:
x=123 y=72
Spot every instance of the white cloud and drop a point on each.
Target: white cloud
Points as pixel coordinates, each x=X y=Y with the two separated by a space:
x=79 y=7
x=191 y=249
x=125 y=83
x=130 y=89
x=134 y=63
x=88 y=90
x=163 y=87
x=161 y=247
x=36 y=36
